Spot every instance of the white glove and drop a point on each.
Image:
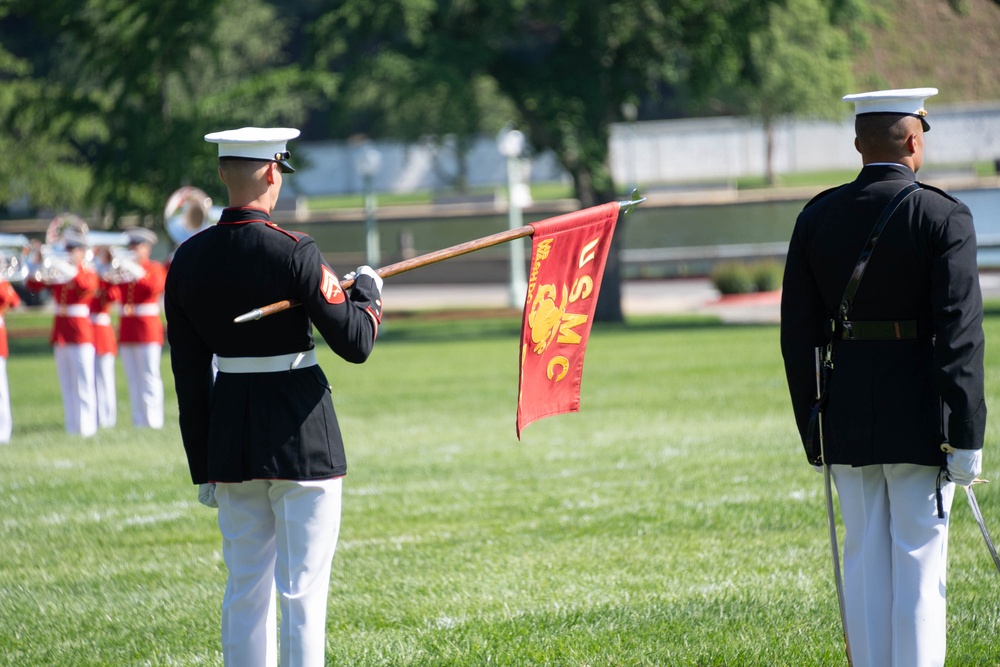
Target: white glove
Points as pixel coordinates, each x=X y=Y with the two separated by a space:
x=365 y=270
x=206 y=495
x=964 y=465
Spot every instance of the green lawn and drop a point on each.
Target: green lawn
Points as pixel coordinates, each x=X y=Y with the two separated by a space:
x=673 y=521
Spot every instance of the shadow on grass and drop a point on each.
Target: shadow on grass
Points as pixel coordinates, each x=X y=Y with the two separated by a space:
x=30 y=346
x=506 y=324
x=453 y=325
x=991 y=309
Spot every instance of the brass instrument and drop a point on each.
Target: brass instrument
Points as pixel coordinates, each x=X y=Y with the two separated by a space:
x=51 y=267
x=52 y=263
x=63 y=223
x=13 y=252
x=188 y=211
x=112 y=260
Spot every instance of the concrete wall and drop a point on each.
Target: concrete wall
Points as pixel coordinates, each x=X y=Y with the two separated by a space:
x=726 y=148
x=652 y=153
x=333 y=167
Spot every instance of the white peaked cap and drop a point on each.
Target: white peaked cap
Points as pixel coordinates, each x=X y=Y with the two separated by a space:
x=73 y=239
x=903 y=101
x=255 y=143
x=140 y=235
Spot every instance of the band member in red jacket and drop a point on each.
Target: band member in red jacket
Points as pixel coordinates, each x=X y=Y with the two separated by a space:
x=72 y=284
x=106 y=349
x=8 y=299
x=140 y=337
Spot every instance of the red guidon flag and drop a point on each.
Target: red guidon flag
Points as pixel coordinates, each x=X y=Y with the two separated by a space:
x=568 y=254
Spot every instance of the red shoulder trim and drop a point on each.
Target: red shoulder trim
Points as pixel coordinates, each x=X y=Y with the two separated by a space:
x=294 y=235
x=242 y=222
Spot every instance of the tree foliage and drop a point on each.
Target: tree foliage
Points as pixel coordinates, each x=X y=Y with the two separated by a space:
x=799 y=63
x=565 y=69
x=111 y=98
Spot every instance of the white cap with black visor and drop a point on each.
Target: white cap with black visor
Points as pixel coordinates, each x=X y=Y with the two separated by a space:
x=255 y=143
x=899 y=102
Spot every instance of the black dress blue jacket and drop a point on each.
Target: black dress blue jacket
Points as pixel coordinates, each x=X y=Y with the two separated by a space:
x=890 y=401
x=243 y=426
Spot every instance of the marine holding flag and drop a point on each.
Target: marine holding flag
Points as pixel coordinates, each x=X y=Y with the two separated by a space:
x=262 y=439
x=568 y=255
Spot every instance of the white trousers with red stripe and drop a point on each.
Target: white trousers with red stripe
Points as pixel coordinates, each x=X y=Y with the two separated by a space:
x=6 y=422
x=75 y=366
x=277 y=535
x=141 y=362
x=107 y=399
x=895 y=559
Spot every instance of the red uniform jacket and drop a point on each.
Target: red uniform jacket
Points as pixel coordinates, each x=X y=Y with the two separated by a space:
x=71 y=324
x=140 y=321
x=100 y=318
x=8 y=299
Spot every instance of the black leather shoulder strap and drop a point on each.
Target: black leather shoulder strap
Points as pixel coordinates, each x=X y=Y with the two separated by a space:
x=866 y=252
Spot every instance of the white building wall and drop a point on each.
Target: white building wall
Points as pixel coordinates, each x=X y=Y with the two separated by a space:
x=653 y=153
x=725 y=148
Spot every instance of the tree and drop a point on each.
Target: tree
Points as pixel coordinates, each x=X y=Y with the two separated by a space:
x=115 y=95
x=799 y=63
x=35 y=167
x=566 y=68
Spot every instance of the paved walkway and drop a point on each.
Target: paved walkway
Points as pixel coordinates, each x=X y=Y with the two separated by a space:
x=639 y=297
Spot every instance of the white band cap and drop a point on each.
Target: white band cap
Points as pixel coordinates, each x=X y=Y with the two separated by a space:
x=903 y=101
x=255 y=143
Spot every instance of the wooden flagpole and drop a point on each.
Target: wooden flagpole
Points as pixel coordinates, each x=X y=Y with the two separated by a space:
x=422 y=260
x=403 y=266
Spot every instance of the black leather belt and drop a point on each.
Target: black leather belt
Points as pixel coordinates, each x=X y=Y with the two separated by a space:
x=875 y=329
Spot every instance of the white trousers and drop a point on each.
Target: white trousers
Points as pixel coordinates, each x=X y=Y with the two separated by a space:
x=6 y=422
x=895 y=560
x=277 y=535
x=75 y=366
x=107 y=400
x=141 y=362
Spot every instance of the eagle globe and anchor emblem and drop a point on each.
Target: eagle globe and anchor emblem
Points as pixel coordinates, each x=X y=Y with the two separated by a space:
x=545 y=317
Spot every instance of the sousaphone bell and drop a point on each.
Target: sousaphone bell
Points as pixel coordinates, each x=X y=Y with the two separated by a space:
x=188 y=211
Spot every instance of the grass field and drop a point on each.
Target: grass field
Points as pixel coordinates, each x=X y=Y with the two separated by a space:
x=673 y=521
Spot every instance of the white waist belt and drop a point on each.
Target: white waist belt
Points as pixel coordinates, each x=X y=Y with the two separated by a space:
x=73 y=310
x=140 y=309
x=102 y=319
x=280 y=363
x=1 y=321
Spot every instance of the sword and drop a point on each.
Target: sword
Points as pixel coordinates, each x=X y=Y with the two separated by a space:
x=830 y=519
x=976 y=512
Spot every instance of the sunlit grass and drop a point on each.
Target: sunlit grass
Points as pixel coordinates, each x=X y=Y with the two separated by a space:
x=673 y=521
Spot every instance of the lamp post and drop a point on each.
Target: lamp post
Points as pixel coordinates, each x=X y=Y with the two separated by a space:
x=631 y=113
x=510 y=143
x=368 y=164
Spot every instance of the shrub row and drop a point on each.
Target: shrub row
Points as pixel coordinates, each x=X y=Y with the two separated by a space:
x=743 y=278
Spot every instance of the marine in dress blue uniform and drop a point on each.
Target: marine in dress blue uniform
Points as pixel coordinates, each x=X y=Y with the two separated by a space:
x=261 y=436
x=907 y=376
